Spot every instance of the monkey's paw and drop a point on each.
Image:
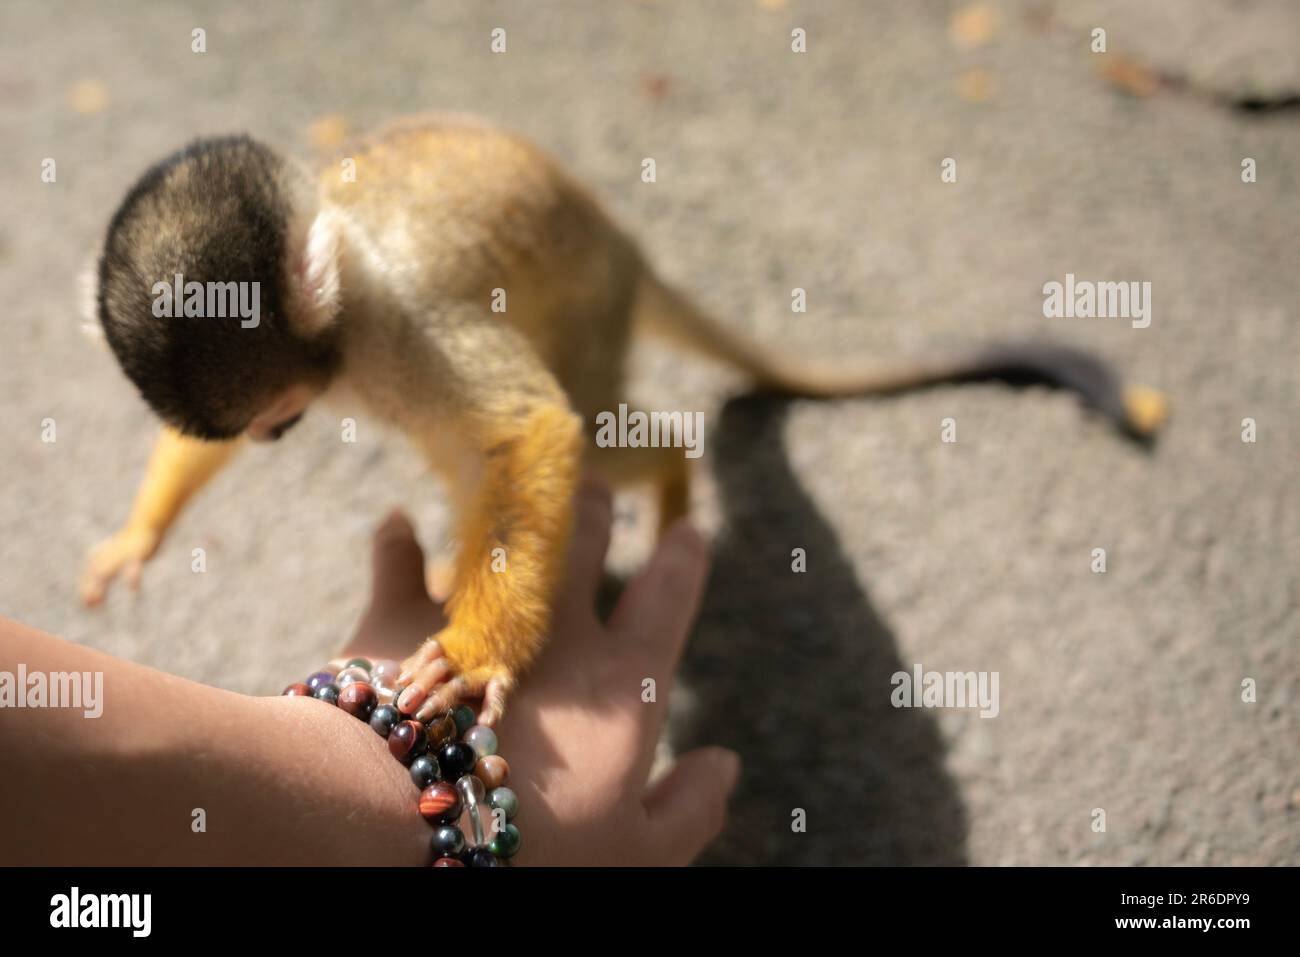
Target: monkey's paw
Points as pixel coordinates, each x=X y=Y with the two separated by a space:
x=431 y=680
x=125 y=552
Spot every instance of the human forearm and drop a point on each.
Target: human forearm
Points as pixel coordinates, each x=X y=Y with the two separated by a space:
x=278 y=780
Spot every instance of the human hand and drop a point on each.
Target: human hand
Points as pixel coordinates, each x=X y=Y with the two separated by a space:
x=579 y=739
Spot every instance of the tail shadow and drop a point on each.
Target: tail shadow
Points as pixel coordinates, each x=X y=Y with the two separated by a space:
x=792 y=670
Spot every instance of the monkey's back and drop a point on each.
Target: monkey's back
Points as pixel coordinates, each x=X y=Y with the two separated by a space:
x=459 y=209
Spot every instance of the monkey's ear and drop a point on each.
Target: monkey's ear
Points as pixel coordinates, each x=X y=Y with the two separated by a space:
x=314 y=273
x=88 y=299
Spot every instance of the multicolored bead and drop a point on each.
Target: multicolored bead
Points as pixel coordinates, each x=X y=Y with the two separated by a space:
x=297 y=690
x=441 y=730
x=472 y=788
x=447 y=841
x=493 y=771
x=482 y=739
x=506 y=842
x=471 y=792
x=350 y=674
x=386 y=670
x=481 y=857
x=440 y=803
x=320 y=678
x=463 y=715
x=384 y=718
x=328 y=693
x=424 y=771
x=384 y=692
x=504 y=800
x=456 y=758
x=407 y=741
x=358 y=699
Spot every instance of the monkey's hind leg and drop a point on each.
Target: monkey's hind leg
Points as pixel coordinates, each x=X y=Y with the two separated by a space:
x=665 y=468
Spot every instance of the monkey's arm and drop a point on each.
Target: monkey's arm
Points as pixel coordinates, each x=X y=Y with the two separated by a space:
x=178 y=468
x=512 y=531
x=512 y=538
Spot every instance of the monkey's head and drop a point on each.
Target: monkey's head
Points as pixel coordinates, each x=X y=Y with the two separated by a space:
x=219 y=292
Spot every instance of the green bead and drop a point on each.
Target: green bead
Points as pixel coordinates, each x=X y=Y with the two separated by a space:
x=504 y=799
x=464 y=718
x=483 y=740
x=506 y=843
x=363 y=663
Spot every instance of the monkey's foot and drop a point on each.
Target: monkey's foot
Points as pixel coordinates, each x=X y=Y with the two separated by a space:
x=430 y=683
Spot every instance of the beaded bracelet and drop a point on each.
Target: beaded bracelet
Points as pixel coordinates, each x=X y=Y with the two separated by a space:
x=452 y=761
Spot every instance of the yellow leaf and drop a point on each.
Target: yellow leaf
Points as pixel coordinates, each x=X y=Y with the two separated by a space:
x=977 y=86
x=328 y=132
x=1129 y=75
x=88 y=96
x=972 y=25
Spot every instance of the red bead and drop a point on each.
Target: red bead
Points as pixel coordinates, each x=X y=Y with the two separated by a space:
x=447 y=862
x=358 y=699
x=298 y=690
x=440 y=803
x=492 y=771
x=407 y=741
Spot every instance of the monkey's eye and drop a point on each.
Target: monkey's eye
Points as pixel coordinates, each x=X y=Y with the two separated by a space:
x=285 y=426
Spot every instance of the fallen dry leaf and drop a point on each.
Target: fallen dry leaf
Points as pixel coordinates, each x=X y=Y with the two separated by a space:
x=1128 y=75
x=329 y=132
x=654 y=85
x=972 y=25
x=977 y=86
x=88 y=96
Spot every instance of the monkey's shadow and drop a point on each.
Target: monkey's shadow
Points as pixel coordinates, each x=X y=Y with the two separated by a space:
x=792 y=670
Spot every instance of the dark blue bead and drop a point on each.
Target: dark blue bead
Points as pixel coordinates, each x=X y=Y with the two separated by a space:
x=481 y=857
x=447 y=841
x=328 y=693
x=424 y=771
x=456 y=758
x=383 y=718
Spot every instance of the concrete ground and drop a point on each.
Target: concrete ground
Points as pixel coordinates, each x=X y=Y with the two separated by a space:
x=1119 y=691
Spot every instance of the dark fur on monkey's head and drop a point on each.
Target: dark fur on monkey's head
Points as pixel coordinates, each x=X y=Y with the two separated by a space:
x=225 y=210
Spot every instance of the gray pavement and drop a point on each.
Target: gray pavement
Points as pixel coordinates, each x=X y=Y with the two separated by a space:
x=1119 y=691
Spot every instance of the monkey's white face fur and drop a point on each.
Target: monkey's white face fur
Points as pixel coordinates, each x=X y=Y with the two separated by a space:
x=285 y=409
x=314 y=304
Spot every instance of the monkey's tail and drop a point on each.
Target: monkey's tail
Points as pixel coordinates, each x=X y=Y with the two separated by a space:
x=1136 y=410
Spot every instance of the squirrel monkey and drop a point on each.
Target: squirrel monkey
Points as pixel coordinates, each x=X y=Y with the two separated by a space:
x=385 y=285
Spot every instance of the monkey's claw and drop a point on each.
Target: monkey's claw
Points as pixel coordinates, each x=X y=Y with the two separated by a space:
x=430 y=683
